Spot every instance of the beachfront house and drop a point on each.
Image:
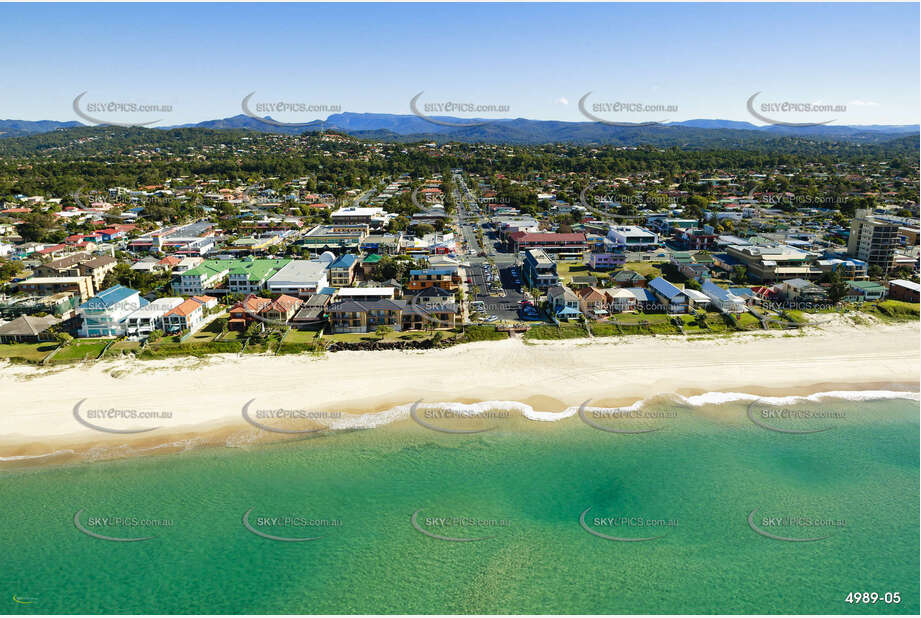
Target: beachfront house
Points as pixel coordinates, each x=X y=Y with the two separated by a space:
x=28 y=329
x=865 y=291
x=140 y=323
x=673 y=299
x=104 y=314
x=563 y=302
x=724 y=300
x=620 y=300
x=188 y=315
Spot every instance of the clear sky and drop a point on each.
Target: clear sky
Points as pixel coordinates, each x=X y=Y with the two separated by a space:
x=537 y=59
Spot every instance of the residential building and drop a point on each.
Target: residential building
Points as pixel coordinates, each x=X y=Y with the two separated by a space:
x=800 y=290
x=539 y=269
x=335 y=237
x=351 y=316
x=632 y=237
x=104 y=314
x=301 y=278
x=68 y=266
x=850 y=268
x=907 y=291
x=245 y=311
x=81 y=287
x=208 y=275
x=97 y=268
x=191 y=239
x=865 y=291
x=312 y=313
x=769 y=262
x=872 y=240
x=604 y=261
x=28 y=329
x=563 y=302
x=620 y=300
x=593 y=302
x=342 y=271
x=250 y=276
x=645 y=300
x=243 y=276
x=673 y=299
x=445 y=278
x=723 y=299
x=282 y=309
x=570 y=246
x=140 y=323
x=188 y=315
x=367 y=294
x=628 y=279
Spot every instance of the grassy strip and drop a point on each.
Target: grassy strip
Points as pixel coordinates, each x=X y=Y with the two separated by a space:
x=481 y=332
x=893 y=311
x=567 y=330
x=170 y=350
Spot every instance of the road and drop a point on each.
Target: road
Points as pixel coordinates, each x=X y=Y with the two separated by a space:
x=503 y=302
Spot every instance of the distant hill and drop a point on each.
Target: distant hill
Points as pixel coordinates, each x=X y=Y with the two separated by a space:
x=697 y=133
x=18 y=128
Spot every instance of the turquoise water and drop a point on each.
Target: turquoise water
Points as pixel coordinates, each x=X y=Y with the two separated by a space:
x=696 y=480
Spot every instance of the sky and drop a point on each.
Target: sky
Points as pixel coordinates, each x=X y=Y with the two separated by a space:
x=536 y=60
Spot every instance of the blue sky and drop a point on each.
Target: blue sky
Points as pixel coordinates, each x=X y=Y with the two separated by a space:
x=537 y=59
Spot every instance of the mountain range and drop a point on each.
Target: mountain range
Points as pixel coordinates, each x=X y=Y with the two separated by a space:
x=412 y=128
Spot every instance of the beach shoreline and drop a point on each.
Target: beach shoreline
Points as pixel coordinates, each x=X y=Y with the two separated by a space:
x=205 y=397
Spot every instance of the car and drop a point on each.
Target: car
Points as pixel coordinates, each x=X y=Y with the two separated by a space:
x=492 y=318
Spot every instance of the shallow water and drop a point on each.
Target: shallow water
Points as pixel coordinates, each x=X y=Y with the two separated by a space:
x=692 y=484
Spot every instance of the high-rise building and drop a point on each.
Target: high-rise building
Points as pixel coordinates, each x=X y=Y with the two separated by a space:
x=872 y=240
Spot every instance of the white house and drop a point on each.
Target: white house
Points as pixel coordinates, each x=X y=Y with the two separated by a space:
x=723 y=299
x=300 y=278
x=188 y=315
x=139 y=324
x=633 y=237
x=104 y=314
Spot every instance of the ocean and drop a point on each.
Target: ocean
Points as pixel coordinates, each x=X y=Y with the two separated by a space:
x=715 y=504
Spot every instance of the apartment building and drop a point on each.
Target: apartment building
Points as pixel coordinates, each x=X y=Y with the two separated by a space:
x=539 y=270
x=872 y=240
x=775 y=262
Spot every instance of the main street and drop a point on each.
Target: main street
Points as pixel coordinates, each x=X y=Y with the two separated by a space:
x=502 y=296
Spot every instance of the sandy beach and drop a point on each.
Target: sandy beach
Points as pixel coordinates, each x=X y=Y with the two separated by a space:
x=200 y=401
